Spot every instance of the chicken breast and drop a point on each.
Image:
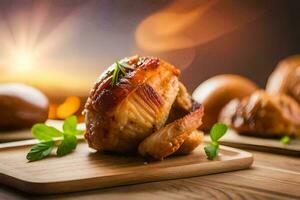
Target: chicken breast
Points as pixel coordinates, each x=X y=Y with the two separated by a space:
x=263 y=115
x=121 y=114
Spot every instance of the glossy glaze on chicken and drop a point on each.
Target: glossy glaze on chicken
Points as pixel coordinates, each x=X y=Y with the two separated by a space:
x=131 y=115
x=262 y=114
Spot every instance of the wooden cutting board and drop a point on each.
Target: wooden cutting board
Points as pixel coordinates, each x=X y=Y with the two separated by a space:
x=85 y=169
x=233 y=139
x=15 y=135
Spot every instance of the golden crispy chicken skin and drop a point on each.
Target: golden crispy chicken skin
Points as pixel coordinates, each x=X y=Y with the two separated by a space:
x=183 y=105
x=120 y=116
x=263 y=115
x=191 y=143
x=286 y=78
x=168 y=139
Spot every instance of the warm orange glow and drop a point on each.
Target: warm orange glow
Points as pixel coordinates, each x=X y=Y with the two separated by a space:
x=52 y=111
x=165 y=30
x=27 y=53
x=68 y=108
x=182 y=25
x=80 y=118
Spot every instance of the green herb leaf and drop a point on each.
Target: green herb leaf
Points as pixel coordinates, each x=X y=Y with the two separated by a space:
x=70 y=126
x=45 y=133
x=285 y=140
x=217 y=131
x=213 y=143
x=119 y=67
x=68 y=144
x=40 y=151
x=115 y=76
x=211 y=151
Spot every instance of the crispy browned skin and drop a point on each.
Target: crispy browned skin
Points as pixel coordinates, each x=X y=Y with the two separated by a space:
x=183 y=99
x=120 y=117
x=285 y=79
x=263 y=115
x=168 y=139
x=192 y=142
x=183 y=105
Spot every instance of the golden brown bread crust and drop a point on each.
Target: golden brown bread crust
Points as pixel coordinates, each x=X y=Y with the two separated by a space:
x=263 y=115
x=217 y=91
x=21 y=106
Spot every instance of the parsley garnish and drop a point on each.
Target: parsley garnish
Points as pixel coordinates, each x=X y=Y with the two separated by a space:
x=47 y=134
x=119 y=70
x=285 y=139
x=217 y=131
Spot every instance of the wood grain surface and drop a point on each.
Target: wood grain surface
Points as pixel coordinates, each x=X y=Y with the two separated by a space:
x=16 y=135
x=84 y=170
x=271 y=176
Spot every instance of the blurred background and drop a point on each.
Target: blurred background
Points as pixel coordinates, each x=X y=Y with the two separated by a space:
x=61 y=46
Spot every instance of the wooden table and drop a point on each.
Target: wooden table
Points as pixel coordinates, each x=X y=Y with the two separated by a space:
x=271 y=177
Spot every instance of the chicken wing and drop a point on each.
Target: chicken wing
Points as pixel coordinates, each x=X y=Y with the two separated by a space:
x=168 y=139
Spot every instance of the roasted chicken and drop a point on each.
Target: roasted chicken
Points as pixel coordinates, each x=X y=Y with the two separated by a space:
x=285 y=79
x=146 y=109
x=262 y=114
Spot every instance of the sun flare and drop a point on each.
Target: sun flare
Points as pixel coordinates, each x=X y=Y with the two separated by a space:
x=22 y=61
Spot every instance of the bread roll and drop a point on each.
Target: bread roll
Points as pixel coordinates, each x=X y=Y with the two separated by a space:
x=217 y=91
x=21 y=106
